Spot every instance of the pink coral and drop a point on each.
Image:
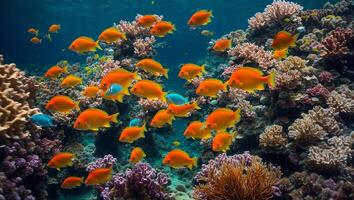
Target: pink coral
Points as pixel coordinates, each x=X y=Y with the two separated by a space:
x=274 y=13
x=229 y=70
x=318 y=91
x=250 y=52
x=151 y=105
x=143 y=47
x=335 y=43
x=326 y=77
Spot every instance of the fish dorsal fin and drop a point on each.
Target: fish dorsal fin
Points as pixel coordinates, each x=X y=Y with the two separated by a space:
x=179 y=151
x=213 y=79
x=284 y=33
x=86 y=38
x=160 y=111
x=253 y=69
x=223 y=109
x=64 y=97
x=153 y=82
x=97 y=110
x=121 y=70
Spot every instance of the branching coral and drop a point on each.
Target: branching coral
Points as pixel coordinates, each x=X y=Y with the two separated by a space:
x=274 y=13
x=141 y=182
x=335 y=43
x=251 y=53
x=341 y=102
x=273 y=138
x=237 y=179
x=16 y=91
x=105 y=162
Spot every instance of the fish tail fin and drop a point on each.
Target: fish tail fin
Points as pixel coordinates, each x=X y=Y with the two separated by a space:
x=163 y=96
x=125 y=91
x=77 y=107
x=166 y=73
x=36 y=33
x=194 y=163
x=119 y=98
x=229 y=45
x=203 y=69
x=137 y=76
x=124 y=36
x=82 y=180
x=271 y=79
x=293 y=40
x=114 y=117
x=225 y=86
x=98 y=45
x=195 y=105
x=65 y=69
x=211 y=13
x=144 y=126
x=237 y=115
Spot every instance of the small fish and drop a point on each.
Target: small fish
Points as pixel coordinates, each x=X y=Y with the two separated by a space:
x=207 y=33
x=91 y=91
x=222 y=45
x=55 y=71
x=200 y=18
x=115 y=89
x=153 y=67
x=136 y=155
x=176 y=143
x=214 y=102
x=42 y=120
x=70 y=81
x=283 y=40
x=119 y=76
x=36 y=40
x=182 y=110
x=178 y=158
x=162 y=28
x=116 y=98
x=61 y=160
x=222 y=118
x=93 y=119
x=147 y=20
x=189 y=71
x=251 y=79
x=222 y=141
x=33 y=31
x=280 y=54
x=83 y=45
x=135 y=122
x=161 y=118
x=211 y=87
x=196 y=130
x=72 y=182
x=111 y=35
x=131 y=134
x=176 y=98
x=49 y=37
x=148 y=89
x=99 y=176
x=54 y=28
x=62 y=104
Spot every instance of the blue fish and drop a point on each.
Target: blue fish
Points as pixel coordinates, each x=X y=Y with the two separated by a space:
x=114 y=89
x=42 y=120
x=135 y=122
x=176 y=99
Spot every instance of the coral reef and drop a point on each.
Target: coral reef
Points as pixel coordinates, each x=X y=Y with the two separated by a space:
x=273 y=138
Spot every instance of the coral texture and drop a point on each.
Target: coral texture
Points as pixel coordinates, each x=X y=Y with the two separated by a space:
x=273 y=138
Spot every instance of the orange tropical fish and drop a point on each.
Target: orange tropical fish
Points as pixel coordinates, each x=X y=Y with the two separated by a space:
x=200 y=18
x=93 y=119
x=210 y=87
x=55 y=71
x=222 y=141
x=131 y=134
x=162 y=28
x=36 y=40
x=280 y=54
x=189 y=71
x=161 y=118
x=111 y=35
x=84 y=44
x=116 y=97
x=222 y=118
x=61 y=160
x=222 y=44
x=251 y=79
x=99 y=176
x=196 y=130
x=148 y=89
x=91 y=91
x=182 y=110
x=70 y=81
x=72 y=182
x=62 y=104
x=33 y=31
x=178 y=158
x=147 y=20
x=283 y=40
x=119 y=76
x=136 y=155
x=152 y=66
x=54 y=28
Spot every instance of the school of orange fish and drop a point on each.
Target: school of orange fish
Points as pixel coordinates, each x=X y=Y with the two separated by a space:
x=245 y=78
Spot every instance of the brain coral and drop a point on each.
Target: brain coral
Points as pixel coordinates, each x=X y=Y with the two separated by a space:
x=16 y=91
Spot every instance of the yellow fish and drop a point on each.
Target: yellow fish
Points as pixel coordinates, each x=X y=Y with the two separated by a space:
x=70 y=81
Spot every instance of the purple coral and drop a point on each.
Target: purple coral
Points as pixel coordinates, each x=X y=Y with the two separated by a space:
x=335 y=43
x=141 y=182
x=105 y=162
